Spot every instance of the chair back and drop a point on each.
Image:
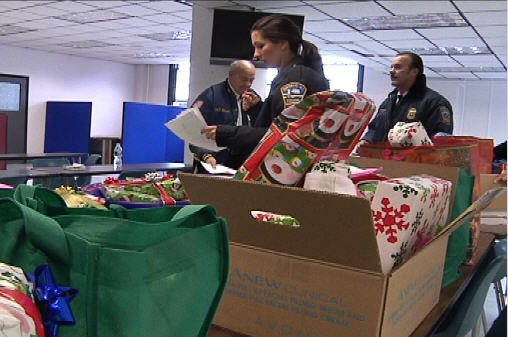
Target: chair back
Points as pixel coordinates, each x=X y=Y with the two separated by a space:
x=500 y=250
x=467 y=310
x=92 y=159
x=53 y=182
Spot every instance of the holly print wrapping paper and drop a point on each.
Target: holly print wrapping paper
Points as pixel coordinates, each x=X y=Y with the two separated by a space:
x=408 y=134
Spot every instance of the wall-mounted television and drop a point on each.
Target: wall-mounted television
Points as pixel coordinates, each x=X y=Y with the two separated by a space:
x=231 y=34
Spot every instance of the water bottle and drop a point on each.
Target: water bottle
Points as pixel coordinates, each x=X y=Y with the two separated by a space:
x=117 y=156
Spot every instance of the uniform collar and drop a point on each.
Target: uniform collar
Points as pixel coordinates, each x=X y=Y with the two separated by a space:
x=232 y=90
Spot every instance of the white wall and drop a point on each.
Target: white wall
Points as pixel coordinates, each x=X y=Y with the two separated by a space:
x=479 y=106
x=58 y=77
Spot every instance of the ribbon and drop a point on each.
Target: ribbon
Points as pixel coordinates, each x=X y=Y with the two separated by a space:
x=53 y=300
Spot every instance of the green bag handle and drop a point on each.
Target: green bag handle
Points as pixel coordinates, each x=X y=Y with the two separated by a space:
x=189 y=210
x=43 y=232
x=32 y=196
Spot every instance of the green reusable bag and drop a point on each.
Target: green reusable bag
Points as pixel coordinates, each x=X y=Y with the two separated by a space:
x=459 y=240
x=145 y=272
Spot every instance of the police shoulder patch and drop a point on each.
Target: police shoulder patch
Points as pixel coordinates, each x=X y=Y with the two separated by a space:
x=292 y=93
x=445 y=114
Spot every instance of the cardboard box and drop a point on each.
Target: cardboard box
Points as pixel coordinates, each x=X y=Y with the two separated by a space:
x=487 y=183
x=324 y=278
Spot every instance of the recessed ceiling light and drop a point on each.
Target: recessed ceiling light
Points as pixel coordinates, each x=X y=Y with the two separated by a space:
x=94 y=16
x=151 y=55
x=407 y=21
x=176 y=35
x=86 y=44
x=449 y=51
x=11 y=29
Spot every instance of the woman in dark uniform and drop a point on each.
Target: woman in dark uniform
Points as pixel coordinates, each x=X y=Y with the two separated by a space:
x=277 y=42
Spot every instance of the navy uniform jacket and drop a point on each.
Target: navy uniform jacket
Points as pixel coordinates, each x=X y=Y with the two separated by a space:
x=218 y=106
x=421 y=104
x=294 y=82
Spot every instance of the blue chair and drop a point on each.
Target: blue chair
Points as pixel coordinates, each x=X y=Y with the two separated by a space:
x=53 y=182
x=500 y=250
x=466 y=313
x=92 y=159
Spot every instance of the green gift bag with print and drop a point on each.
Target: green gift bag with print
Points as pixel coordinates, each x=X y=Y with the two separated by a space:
x=145 y=272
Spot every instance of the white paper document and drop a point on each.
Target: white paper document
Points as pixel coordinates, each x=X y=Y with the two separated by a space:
x=187 y=125
x=219 y=169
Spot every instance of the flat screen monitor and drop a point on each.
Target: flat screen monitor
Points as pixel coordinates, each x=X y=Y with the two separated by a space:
x=231 y=34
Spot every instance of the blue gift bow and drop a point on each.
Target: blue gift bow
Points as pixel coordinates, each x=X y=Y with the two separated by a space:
x=53 y=300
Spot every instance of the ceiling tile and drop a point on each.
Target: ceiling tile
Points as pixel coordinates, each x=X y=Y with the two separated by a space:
x=133 y=22
x=46 y=23
x=107 y=4
x=325 y=26
x=16 y=4
x=267 y=4
x=471 y=42
x=213 y=4
x=347 y=36
x=164 y=18
x=408 y=44
x=449 y=63
x=307 y=11
x=71 y=6
x=458 y=75
x=353 y=9
x=85 y=28
x=496 y=41
x=439 y=59
x=502 y=57
x=135 y=10
x=490 y=18
x=167 y=6
x=5 y=20
x=417 y=7
x=46 y=10
x=491 y=75
x=396 y=34
x=107 y=24
x=22 y=15
x=475 y=60
x=447 y=32
x=181 y=25
x=492 y=31
x=187 y=15
x=480 y=5
x=499 y=50
x=376 y=48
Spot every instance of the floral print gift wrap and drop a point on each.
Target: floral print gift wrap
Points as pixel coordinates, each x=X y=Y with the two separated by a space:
x=325 y=125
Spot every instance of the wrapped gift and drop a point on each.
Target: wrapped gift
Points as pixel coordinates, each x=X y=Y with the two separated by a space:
x=325 y=125
x=407 y=213
x=408 y=134
x=19 y=317
x=331 y=177
x=149 y=191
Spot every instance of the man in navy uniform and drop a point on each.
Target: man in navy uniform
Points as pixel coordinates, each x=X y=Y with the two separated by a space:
x=410 y=101
x=231 y=102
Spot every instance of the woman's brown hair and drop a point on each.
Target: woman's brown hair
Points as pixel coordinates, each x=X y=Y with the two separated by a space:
x=277 y=27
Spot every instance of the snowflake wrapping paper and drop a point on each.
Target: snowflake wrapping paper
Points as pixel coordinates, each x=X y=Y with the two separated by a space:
x=408 y=134
x=407 y=213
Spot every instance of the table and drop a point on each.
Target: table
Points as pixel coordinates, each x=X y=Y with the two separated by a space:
x=29 y=156
x=447 y=299
x=47 y=172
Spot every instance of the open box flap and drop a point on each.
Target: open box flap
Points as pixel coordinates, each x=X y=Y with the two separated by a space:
x=334 y=228
x=483 y=201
